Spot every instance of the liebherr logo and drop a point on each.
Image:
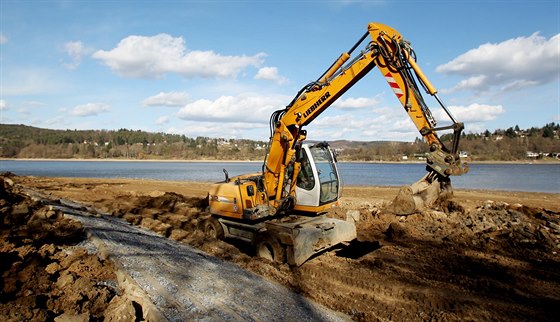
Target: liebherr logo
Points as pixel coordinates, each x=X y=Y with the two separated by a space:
x=317 y=104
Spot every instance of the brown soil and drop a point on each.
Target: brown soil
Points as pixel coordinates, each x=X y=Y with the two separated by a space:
x=483 y=255
x=49 y=271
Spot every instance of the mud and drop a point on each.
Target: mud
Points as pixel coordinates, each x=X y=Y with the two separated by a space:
x=480 y=256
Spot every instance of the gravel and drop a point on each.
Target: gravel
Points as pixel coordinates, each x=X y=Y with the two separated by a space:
x=187 y=284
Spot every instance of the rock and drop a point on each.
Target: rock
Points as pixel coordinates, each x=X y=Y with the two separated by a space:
x=178 y=234
x=157 y=226
x=501 y=204
x=353 y=215
x=65 y=279
x=20 y=209
x=53 y=214
x=488 y=204
x=47 y=250
x=544 y=235
x=395 y=231
x=9 y=182
x=132 y=218
x=52 y=268
x=67 y=317
x=554 y=226
x=120 y=309
x=438 y=215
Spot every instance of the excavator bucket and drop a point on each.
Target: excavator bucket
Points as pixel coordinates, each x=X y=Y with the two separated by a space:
x=421 y=195
x=307 y=236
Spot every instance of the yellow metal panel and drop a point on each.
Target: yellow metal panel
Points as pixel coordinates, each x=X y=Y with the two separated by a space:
x=317 y=209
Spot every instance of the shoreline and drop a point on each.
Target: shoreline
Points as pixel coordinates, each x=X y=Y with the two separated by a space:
x=351 y=194
x=252 y=161
x=394 y=188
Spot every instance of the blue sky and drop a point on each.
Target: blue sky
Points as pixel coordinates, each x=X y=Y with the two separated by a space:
x=220 y=68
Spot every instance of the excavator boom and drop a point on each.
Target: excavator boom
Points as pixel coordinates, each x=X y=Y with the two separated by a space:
x=395 y=59
x=298 y=178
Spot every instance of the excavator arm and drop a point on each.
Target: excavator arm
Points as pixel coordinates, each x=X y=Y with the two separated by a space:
x=395 y=59
x=271 y=208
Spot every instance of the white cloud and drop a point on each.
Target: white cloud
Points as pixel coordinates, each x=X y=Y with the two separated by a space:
x=76 y=50
x=162 y=120
x=155 y=56
x=250 y=108
x=336 y=127
x=511 y=64
x=239 y=130
x=3 y=105
x=271 y=74
x=3 y=39
x=167 y=99
x=476 y=83
x=356 y=103
x=89 y=109
x=381 y=124
x=473 y=113
x=392 y=123
x=247 y=116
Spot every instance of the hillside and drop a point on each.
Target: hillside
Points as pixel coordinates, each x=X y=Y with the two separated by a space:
x=21 y=141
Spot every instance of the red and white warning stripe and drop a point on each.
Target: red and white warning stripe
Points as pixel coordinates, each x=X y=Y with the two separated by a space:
x=394 y=85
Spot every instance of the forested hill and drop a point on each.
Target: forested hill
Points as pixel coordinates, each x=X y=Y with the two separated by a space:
x=21 y=141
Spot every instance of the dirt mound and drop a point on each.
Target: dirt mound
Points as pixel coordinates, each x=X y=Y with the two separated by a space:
x=45 y=275
x=494 y=261
x=171 y=202
x=23 y=219
x=493 y=226
x=171 y=214
x=180 y=218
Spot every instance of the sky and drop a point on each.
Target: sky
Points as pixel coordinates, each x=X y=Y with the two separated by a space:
x=220 y=68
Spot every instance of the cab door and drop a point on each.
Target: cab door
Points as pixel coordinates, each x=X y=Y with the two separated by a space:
x=318 y=180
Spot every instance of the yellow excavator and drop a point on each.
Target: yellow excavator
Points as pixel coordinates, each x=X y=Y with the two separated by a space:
x=281 y=210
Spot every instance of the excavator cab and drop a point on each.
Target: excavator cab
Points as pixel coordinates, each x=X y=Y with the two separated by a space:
x=318 y=181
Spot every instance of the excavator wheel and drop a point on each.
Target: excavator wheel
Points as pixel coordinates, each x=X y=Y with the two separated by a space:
x=213 y=229
x=270 y=248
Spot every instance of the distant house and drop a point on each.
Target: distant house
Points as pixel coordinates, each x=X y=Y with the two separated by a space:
x=463 y=154
x=420 y=156
x=532 y=154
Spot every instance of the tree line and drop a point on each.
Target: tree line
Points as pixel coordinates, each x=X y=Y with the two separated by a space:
x=21 y=141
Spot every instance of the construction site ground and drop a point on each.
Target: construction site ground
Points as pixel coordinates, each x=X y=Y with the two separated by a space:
x=484 y=255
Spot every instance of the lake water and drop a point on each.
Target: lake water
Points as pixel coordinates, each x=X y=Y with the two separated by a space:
x=510 y=177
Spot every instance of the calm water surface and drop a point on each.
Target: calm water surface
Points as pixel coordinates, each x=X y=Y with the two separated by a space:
x=512 y=177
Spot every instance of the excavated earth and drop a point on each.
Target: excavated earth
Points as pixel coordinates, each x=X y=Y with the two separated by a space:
x=484 y=255
x=50 y=271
